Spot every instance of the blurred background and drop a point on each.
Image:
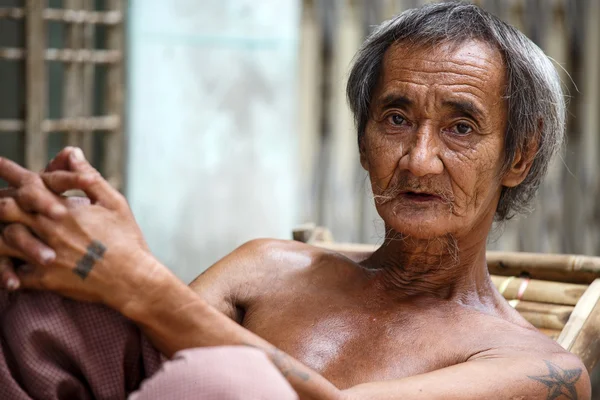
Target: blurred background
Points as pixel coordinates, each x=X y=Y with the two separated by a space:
x=225 y=120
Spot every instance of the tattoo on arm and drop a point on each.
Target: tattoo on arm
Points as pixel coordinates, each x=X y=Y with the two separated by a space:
x=560 y=382
x=95 y=252
x=284 y=363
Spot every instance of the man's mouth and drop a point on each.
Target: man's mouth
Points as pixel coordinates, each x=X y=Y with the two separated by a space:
x=420 y=197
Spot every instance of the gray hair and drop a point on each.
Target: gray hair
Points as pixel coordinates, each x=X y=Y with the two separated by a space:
x=536 y=106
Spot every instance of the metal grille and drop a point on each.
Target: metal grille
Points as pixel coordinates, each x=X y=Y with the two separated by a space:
x=91 y=71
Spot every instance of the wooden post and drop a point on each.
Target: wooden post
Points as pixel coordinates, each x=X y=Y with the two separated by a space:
x=114 y=149
x=341 y=199
x=589 y=151
x=72 y=102
x=87 y=85
x=311 y=106
x=36 y=86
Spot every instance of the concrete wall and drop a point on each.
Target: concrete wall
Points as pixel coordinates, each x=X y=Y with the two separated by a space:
x=212 y=158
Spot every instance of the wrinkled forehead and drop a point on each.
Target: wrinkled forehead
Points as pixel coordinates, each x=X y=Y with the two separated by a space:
x=470 y=66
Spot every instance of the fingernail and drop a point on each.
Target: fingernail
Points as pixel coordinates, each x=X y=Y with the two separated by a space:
x=47 y=255
x=58 y=210
x=12 y=284
x=77 y=154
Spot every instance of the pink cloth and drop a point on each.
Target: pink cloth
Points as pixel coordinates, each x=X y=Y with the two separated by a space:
x=217 y=373
x=53 y=348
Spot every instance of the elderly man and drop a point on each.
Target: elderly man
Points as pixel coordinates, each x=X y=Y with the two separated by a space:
x=458 y=115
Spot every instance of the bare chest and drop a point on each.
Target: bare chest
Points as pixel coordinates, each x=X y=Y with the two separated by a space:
x=350 y=345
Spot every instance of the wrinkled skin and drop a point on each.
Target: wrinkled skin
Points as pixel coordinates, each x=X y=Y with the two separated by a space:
x=423 y=135
x=417 y=319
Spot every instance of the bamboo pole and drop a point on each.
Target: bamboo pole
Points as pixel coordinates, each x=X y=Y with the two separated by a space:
x=539 y=291
x=543 y=315
x=561 y=267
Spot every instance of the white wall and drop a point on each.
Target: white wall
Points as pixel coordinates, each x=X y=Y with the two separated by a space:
x=212 y=158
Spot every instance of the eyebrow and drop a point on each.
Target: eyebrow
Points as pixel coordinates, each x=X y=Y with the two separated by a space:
x=395 y=101
x=464 y=107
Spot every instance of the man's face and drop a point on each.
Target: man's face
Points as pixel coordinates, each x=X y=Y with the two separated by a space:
x=434 y=142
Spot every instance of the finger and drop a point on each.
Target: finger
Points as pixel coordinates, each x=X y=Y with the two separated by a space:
x=8 y=251
x=61 y=181
x=99 y=190
x=31 y=276
x=62 y=160
x=21 y=239
x=8 y=278
x=37 y=198
x=8 y=192
x=11 y=212
x=13 y=173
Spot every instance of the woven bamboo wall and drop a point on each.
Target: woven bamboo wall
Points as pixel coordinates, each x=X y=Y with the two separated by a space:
x=70 y=58
x=337 y=193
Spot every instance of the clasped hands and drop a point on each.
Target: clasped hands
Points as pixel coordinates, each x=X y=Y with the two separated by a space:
x=89 y=250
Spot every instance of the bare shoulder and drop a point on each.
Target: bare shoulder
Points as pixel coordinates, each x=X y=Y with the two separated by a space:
x=560 y=373
x=252 y=269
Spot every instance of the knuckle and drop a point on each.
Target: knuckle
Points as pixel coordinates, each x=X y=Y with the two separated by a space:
x=7 y=208
x=92 y=176
x=5 y=264
x=15 y=234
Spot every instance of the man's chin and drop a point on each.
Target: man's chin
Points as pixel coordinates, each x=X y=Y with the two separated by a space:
x=421 y=226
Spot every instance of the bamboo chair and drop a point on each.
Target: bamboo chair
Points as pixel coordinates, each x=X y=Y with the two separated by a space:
x=557 y=293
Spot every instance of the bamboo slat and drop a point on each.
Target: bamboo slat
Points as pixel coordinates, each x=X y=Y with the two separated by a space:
x=108 y=122
x=11 y=125
x=68 y=16
x=66 y=55
x=585 y=343
x=540 y=291
x=580 y=314
x=543 y=315
x=36 y=86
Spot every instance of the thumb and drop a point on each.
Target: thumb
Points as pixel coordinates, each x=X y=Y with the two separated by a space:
x=78 y=161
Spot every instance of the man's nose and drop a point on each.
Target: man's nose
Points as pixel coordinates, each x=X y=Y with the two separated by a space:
x=423 y=157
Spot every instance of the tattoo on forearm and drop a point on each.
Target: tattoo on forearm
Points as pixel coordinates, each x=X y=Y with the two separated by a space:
x=95 y=252
x=284 y=363
x=560 y=382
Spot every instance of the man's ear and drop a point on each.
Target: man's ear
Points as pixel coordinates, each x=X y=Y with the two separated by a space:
x=363 y=154
x=520 y=166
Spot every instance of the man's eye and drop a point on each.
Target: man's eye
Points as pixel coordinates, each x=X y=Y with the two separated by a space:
x=462 y=129
x=396 y=119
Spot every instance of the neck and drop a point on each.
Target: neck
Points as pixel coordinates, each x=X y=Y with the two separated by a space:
x=444 y=267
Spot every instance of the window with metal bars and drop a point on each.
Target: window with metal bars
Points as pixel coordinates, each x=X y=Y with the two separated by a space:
x=61 y=81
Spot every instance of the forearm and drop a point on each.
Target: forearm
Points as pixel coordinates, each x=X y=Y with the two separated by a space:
x=175 y=318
